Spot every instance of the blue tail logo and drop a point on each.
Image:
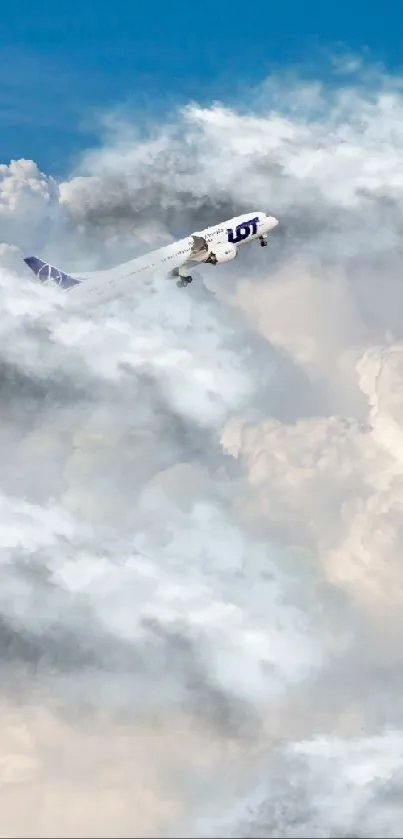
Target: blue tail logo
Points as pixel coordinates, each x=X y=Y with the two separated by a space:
x=46 y=272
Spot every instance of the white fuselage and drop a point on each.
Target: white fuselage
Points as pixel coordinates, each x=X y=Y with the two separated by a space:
x=247 y=231
x=238 y=230
x=215 y=244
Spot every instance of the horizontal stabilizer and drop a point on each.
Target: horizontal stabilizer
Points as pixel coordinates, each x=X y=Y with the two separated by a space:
x=46 y=272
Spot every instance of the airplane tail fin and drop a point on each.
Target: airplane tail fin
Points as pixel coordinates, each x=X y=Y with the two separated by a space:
x=46 y=273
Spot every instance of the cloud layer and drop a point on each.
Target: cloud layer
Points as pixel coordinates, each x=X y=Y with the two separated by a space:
x=201 y=495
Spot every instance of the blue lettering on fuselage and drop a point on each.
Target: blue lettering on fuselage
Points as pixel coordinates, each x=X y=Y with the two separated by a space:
x=243 y=230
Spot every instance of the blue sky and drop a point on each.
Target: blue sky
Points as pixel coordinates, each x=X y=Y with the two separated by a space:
x=61 y=64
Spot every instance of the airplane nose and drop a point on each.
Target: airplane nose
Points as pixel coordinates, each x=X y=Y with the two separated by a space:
x=271 y=222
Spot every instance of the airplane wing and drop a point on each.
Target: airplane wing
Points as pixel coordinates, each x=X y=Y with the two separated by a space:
x=199 y=249
x=199 y=244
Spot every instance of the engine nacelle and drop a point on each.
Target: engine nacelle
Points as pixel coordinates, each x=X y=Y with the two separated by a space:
x=223 y=252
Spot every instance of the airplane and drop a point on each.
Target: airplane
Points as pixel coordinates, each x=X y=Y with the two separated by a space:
x=214 y=245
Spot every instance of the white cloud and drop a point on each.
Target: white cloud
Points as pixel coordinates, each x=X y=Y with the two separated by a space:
x=202 y=492
x=321 y=787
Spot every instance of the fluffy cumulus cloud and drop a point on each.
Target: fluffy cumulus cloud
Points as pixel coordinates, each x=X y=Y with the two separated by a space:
x=201 y=493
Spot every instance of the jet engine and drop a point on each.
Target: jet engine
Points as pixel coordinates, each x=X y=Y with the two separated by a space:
x=223 y=252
